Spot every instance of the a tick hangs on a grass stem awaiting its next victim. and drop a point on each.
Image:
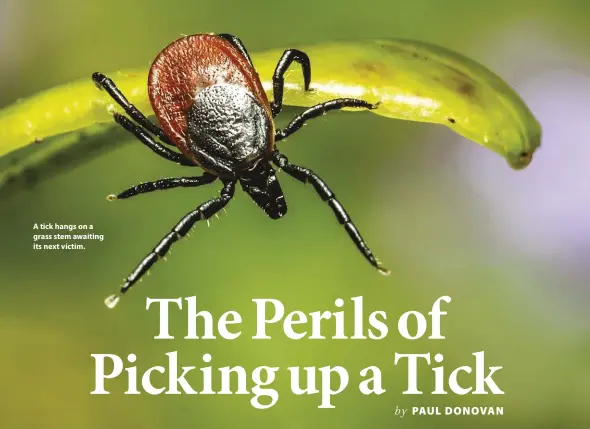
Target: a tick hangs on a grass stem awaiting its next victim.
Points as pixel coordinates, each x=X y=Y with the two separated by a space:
x=211 y=106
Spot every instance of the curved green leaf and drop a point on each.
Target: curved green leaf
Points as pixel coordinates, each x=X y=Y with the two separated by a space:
x=410 y=80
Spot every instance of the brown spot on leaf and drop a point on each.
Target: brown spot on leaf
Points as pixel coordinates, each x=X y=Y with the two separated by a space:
x=371 y=67
x=467 y=88
x=462 y=82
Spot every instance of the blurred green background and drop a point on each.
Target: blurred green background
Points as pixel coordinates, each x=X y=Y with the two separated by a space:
x=447 y=217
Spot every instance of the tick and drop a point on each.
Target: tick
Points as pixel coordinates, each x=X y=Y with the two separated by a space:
x=211 y=106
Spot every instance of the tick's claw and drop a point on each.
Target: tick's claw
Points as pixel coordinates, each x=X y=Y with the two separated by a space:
x=383 y=271
x=111 y=301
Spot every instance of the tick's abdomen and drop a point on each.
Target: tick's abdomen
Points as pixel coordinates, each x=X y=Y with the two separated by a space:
x=227 y=124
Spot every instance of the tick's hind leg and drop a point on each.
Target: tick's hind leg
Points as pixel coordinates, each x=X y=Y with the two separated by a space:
x=144 y=137
x=109 y=86
x=202 y=212
x=319 y=110
x=278 y=80
x=162 y=184
x=305 y=175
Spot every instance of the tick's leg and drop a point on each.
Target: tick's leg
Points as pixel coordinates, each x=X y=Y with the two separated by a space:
x=319 y=110
x=173 y=182
x=307 y=176
x=202 y=212
x=109 y=86
x=148 y=140
x=278 y=80
x=237 y=43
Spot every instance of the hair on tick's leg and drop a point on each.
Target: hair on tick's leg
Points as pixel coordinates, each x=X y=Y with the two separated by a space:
x=109 y=86
x=163 y=184
x=319 y=110
x=305 y=175
x=278 y=80
x=144 y=137
x=202 y=212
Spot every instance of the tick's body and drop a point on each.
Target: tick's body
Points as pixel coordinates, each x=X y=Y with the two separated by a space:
x=210 y=103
